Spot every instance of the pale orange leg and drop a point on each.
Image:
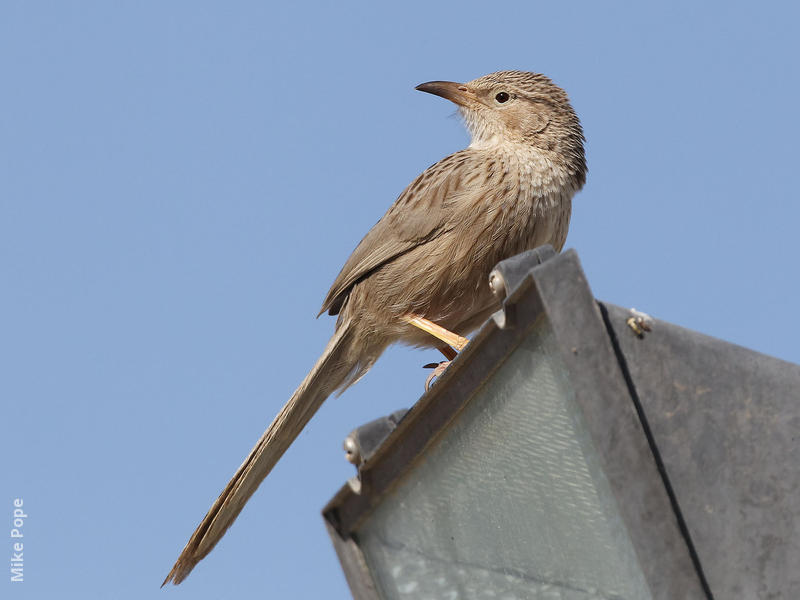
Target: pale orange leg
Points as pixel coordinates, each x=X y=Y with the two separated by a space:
x=440 y=333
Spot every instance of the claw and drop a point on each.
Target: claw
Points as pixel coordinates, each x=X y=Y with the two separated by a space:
x=438 y=369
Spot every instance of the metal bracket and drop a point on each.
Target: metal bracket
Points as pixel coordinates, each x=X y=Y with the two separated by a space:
x=509 y=274
x=362 y=442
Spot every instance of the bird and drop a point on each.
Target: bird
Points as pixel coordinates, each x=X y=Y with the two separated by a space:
x=419 y=276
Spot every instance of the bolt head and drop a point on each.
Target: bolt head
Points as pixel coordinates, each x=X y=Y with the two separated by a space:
x=351 y=450
x=497 y=284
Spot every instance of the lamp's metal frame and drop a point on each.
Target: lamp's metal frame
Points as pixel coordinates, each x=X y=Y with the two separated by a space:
x=605 y=361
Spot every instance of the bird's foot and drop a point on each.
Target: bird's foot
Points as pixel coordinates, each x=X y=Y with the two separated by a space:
x=451 y=346
x=438 y=369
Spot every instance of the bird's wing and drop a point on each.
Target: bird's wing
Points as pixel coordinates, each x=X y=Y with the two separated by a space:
x=421 y=213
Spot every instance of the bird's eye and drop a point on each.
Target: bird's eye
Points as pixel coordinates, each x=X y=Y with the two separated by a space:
x=502 y=97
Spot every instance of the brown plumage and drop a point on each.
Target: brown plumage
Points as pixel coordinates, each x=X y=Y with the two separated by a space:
x=430 y=255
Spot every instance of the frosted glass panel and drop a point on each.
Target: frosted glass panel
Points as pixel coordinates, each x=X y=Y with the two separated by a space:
x=509 y=503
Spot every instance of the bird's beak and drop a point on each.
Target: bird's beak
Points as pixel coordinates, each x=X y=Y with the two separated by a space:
x=455 y=92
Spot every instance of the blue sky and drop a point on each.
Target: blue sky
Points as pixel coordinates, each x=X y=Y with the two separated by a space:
x=180 y=183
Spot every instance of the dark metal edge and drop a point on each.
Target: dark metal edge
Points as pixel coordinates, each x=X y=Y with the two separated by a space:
x=354 y=566
x=682 y=527
x=616 y=431
x=725 y=419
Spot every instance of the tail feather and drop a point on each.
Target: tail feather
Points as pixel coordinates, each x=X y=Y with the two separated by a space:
x=335 y=369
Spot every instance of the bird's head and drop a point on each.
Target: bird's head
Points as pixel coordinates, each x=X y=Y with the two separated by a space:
x=519 y=108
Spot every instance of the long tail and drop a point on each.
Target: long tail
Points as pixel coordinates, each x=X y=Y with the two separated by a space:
x=337 y=368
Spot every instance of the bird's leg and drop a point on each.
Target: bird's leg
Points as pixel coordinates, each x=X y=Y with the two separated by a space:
x=440 y=333
x=448 y=352
x=453 y=344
